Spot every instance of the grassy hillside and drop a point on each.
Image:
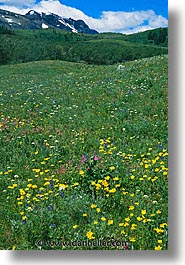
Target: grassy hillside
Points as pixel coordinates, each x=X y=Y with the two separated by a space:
x=30 y=45
x=157 y=37
x=84 y=155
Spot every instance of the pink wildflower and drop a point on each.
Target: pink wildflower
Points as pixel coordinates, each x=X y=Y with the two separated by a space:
x=96 y=158
x=83 y=159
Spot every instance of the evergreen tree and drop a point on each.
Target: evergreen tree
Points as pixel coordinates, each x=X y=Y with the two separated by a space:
x=162 y=35
x=3 y=56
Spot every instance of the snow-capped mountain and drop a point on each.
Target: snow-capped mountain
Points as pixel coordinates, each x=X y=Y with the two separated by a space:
x=35 y=20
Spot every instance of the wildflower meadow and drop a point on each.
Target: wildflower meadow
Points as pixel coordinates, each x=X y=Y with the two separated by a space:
x=84 y=156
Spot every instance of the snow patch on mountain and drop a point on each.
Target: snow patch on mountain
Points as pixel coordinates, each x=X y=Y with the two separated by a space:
x=61 y=20
x=32 y=12
x=44 y=26
x=10 y=20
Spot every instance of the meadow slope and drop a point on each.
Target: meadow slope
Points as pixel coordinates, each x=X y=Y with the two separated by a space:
x=84 y=155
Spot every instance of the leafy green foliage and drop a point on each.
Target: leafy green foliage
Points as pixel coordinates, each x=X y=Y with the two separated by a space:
x=36 y=45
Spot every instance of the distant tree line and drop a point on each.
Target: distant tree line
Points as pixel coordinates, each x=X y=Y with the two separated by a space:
x=158 y=37
x=3 y=53
x=3 y=56
x=4 y=30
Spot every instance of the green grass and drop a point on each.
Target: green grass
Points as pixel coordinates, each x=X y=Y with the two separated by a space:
x=84 y=154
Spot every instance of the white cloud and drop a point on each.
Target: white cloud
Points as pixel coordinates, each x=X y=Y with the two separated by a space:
x=18 y=3
x=125 y=22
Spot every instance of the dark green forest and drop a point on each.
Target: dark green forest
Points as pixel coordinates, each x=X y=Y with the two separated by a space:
x=21 y=46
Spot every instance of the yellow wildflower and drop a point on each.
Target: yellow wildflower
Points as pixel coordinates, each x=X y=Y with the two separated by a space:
x=37 y=170
x=112 y=190
x=163 y=225
x=112 y=168
x=105 y=183
x=81 y=172
x=133 y=227
x=110 y=222
x=62 y=186
x=94 y=206
x=93 y=183
x=158 y=247
x=158 y=230
x=98 y=186
x=89 y=235
x=131 y=214
x=30 y=180
x=47 y=183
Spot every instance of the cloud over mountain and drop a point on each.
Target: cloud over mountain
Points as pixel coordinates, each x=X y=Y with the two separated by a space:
x=125 y=22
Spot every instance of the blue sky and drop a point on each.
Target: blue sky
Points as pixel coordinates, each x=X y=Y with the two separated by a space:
x=125 y=16
x=94 y=8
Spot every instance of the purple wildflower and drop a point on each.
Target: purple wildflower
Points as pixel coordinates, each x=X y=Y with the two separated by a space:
x=61 y=193
x=51 y=207
x=51 y=183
